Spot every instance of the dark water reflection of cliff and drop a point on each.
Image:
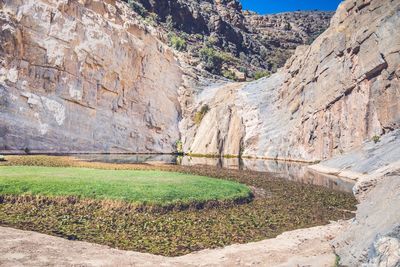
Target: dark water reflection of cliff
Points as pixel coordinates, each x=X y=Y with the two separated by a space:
x=287 y=170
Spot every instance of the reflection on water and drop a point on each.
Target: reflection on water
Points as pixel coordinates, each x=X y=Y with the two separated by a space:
x=125 y=159
x=288 y=170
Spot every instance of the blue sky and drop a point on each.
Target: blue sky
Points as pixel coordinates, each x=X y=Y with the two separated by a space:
x=277 y=6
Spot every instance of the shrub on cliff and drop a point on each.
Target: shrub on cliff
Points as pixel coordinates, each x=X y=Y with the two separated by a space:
x=376 y=138
x=151 y=19
x=198 y=117
x=261 y=74
x=177 y=42
x=229 y=74
x=169 y=23
x=137 y=7
x=212 y=59
x=179 y=146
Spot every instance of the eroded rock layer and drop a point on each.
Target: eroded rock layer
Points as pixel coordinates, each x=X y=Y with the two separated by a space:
x=83 y=76
x=329 y=98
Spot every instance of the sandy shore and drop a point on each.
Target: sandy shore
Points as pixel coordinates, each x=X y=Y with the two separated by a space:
x=304 y=247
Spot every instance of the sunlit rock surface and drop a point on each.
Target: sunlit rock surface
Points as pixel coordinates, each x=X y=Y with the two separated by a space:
x=373 y=236
x=84 y=76
x=89 y=76
x=329 y=98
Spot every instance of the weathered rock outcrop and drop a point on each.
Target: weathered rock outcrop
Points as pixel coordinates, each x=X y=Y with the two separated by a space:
x=373 y=236
x=280 y=34
x=329 y=98
x=84 y=76
x=250 y=42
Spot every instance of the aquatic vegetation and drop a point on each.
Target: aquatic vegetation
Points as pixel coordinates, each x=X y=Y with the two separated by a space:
x=281 y=206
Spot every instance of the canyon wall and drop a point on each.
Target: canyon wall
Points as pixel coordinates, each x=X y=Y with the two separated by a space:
x=84 y=76
x=249 y=42
x=93 y=76
x=329 y=98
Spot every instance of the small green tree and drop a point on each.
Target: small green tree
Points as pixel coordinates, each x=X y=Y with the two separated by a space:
x=179 y=146
x=261 y=74
x=212 y=59
x=151 y=19
x=376 y=138
x=177 y=42
x=169 y=22
x=137 y=7
x=229 y=74
x=211 y=41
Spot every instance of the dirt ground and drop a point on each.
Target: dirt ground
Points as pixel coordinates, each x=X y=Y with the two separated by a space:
x=304 y=247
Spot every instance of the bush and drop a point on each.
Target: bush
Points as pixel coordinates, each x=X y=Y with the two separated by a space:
x=198 y=117
x=255 y=62
x=169 y=22
x=376 y=138
x=199 y=36
x=261 y=74
x=179 y=146
x=227 y=57
x=137 y=7
x=211 y=41
x=244 y=70
x=151 y=19
x=263 y=52
x=212 y=59
x=177 y=42
x=229 y=74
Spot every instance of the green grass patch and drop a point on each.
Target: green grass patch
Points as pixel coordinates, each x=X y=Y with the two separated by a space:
x=279 y=205
x=154 y=187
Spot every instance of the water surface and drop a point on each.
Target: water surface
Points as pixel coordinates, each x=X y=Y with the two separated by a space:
x=293 y=171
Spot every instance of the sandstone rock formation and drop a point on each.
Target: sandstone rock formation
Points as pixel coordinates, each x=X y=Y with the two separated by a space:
x=329 y=98
x=84 y=76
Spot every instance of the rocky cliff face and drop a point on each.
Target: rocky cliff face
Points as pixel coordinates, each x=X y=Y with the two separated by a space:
x=330 y=97
x=372 y=238
x=92 y=76
x=280 y=34
x=84 y=76
x=248 y=42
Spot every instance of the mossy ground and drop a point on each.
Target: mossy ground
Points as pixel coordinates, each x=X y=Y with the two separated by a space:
x=282 y=206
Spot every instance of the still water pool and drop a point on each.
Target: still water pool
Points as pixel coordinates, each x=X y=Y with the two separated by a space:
x=294 y=171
